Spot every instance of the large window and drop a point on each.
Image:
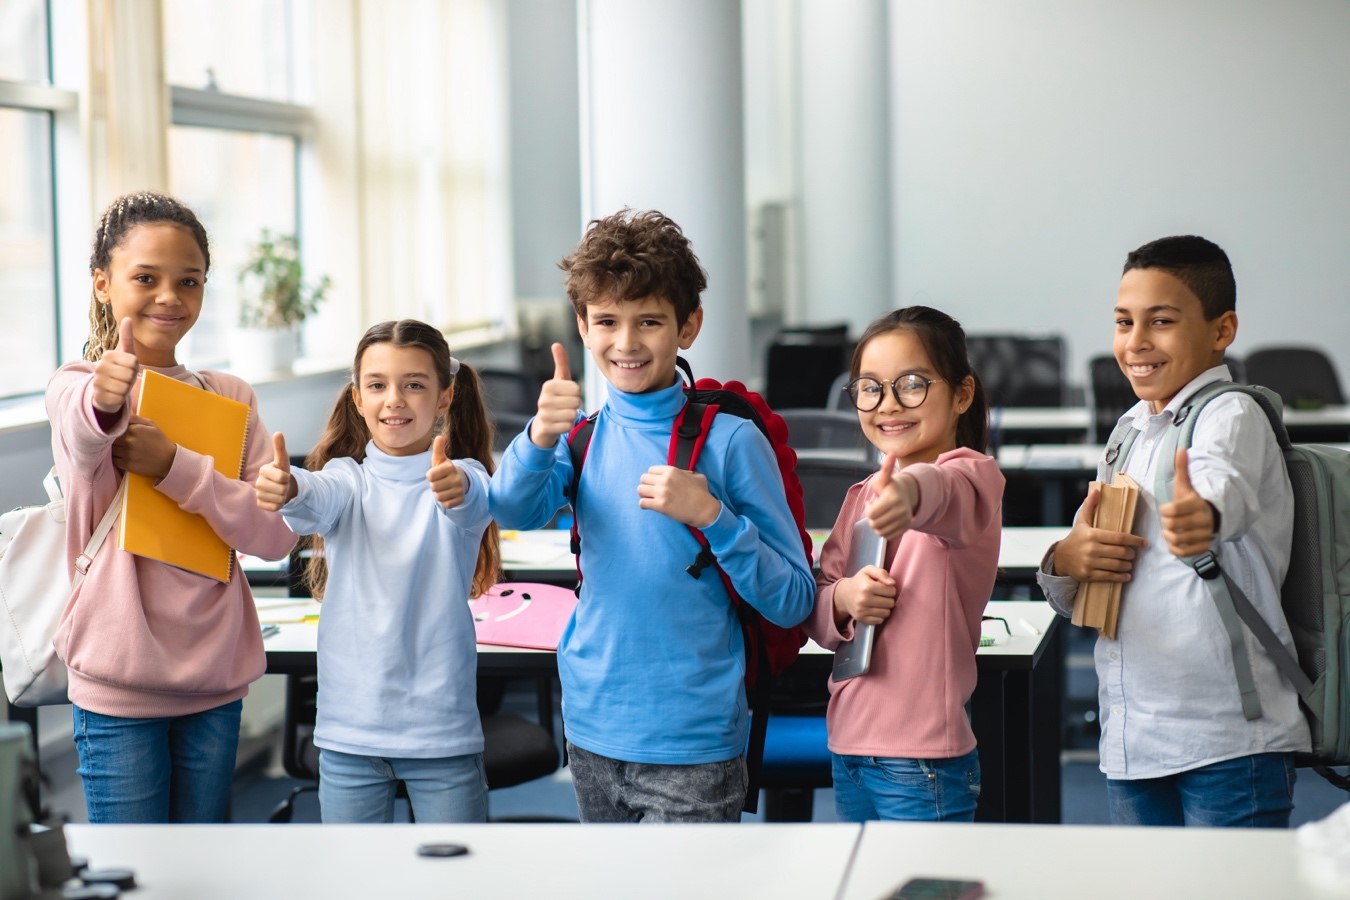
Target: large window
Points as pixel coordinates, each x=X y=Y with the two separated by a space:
x=236 y=137
x=28 y=263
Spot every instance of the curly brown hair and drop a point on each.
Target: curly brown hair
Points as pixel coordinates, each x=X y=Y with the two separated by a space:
x=631 y=255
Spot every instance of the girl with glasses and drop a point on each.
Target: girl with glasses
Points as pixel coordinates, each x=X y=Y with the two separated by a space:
x=901 y=741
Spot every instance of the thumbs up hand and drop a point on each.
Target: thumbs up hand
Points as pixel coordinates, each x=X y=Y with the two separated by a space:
x=897 y=496
x=445 y=478
x=559 y=403
x=276 y=485
x=1189 y=521
x=115 y=372
x=1089 y=553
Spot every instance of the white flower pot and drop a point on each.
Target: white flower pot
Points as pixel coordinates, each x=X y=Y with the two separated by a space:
x=262 y=352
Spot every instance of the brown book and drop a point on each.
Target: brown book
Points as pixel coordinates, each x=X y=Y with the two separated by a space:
x=1097 y=604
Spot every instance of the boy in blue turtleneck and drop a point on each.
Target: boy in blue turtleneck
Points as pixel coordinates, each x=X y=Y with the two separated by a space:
x=653 y=661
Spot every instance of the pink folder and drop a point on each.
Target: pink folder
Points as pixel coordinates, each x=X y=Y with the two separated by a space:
x=523 y=614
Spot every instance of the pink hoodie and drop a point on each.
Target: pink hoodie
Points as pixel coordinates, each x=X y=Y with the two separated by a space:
x=911 y=703
x=142 y=638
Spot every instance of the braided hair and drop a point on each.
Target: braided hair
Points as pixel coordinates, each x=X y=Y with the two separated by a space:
x=123 y=214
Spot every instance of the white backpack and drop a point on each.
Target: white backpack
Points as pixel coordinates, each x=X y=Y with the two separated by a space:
x=34 y=591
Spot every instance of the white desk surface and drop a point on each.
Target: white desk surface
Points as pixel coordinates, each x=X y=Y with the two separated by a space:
x=548 y=551
x=205 y=862
x=1071 y=862
x=1028 y=621
x=1040 y=418
x=1063 y=457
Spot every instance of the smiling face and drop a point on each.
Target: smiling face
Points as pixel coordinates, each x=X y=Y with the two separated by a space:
x=398 y=395
x=922 y=433
x=155 y=277
x=1162 y=339
x=634 y=342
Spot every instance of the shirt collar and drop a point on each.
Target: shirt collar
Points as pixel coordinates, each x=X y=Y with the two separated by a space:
x=662 y=404
x=1140 y=414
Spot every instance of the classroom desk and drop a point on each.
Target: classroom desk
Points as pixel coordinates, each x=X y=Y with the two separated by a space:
x=1015 y=709
x=206 y=862
x=1070 y=862
x=544 y=556
x=1073 y=423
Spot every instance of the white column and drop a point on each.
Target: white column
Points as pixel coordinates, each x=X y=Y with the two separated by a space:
x=661 y=128
x=845 y=159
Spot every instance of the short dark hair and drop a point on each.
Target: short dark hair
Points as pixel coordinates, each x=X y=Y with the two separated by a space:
x=1199 y=264
x=631 y=255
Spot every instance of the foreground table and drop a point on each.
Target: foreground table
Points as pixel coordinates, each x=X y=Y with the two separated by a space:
x=1031 y=862
x=205 y=862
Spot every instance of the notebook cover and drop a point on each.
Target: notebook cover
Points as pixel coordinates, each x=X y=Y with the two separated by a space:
x=523 y=614
x=155 y=526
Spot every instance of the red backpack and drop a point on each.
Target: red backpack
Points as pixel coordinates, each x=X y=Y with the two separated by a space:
x=769 y=648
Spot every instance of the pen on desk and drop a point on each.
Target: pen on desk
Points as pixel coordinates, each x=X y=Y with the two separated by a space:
x=1028 y=626
x=270 y=629
x=311 y=619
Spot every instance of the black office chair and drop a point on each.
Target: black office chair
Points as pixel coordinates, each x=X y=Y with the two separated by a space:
x=801 y=364
x=1109 y=395
x=1019 y=370
x=1304 y=377
x=506 y=425
x=824 y=429
x=825 y=483
x=506 y=391
x=838 y=399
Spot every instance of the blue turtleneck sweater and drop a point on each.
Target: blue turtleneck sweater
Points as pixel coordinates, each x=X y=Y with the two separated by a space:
x=397 y=657
x=653 y=662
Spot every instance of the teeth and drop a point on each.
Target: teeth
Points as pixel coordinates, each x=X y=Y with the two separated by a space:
x=894 y=429
x=629 y=365
x=1140 y=369
x=397 y=421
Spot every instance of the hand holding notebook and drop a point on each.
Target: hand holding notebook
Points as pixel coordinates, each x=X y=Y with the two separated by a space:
x=854 y=658
x=153 y=525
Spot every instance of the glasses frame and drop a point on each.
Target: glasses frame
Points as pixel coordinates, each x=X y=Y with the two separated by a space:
x=895 y=390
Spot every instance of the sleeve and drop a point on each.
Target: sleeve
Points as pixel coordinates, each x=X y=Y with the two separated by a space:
x=230 y=505
x=1231 y=457
x=322 y=498
x=472 y=512
x=821 y=625
x=530 y=486
x=1059 y=590
x=755 y=538
x=76 y=431
x=957 y=497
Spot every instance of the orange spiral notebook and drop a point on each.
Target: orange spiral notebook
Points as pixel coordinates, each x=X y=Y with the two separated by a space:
x=155 y=526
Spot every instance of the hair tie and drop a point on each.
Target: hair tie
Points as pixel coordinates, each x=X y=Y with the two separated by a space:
x=454 y=367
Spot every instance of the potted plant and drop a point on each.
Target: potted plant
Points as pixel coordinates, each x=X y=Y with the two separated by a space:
x=274 y=299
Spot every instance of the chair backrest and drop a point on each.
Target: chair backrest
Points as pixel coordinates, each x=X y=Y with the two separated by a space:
x=838 y=398
x=825 y=483
x=1109 y=395
x=801 y=363
x=1304 y=377
x=824 y=429
x=505 y=391
x=1019 y=370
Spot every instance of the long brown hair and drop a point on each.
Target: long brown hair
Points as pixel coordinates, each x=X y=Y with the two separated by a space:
x=467 y=429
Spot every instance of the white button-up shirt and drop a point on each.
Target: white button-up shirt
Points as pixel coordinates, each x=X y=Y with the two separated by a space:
x=1166 y=685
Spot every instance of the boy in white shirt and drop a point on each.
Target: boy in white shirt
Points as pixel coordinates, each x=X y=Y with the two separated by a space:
x=1176 y=747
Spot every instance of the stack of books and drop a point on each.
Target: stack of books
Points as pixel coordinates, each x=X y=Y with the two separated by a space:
x=1097 y=604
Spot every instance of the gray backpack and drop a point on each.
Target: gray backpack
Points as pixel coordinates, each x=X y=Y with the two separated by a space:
x=1316 y=591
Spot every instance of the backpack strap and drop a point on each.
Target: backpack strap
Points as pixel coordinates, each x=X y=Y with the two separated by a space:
x=1231 y=603
x=100 y=533
x=1118 y=446
x=578 y=443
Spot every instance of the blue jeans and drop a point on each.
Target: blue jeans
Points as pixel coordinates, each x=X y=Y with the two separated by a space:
x=356 y=788
x=916 y=790
x=174 y=769
x=612 y=790
x=1247 y=792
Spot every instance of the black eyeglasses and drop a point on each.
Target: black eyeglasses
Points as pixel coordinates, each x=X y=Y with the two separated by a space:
x=909 y=390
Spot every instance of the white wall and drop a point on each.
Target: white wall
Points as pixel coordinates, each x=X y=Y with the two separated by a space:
x=1036 y=143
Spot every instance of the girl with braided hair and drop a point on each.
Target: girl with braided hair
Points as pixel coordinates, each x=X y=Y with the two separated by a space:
x=159 y=657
